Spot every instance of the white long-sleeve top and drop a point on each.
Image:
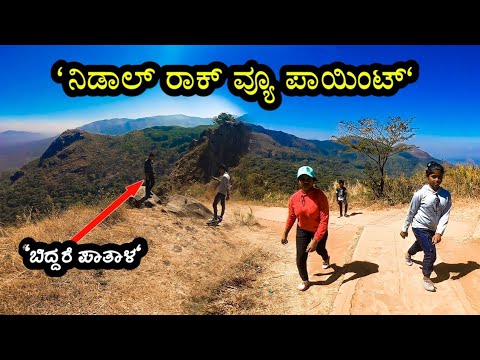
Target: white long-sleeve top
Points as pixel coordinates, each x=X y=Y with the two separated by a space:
x=224 y=186
x=426 y=212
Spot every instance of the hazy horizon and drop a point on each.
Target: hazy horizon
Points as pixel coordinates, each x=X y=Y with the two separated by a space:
x=444 y=95
x=458 y=154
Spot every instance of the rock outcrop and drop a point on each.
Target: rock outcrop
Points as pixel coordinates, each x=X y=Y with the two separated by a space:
x=224 y=145
x=59 y=144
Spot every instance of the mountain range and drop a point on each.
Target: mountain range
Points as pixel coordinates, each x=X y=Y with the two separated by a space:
x=19 y=147
x=80 y=166
x=123 y=126
x=13 y=137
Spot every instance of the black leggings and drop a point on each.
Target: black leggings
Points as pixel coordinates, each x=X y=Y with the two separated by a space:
x=303 y=239
x=340 y=206
x=219 y=198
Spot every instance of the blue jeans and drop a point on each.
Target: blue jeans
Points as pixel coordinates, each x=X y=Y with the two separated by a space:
x=424 y=243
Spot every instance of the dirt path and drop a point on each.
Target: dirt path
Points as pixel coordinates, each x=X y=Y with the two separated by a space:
x=241 y=267
x=368 y=274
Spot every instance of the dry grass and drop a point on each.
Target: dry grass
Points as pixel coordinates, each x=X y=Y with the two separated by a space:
x=186 y=261
x=236 y=294
x=189 y=268
x=463 y=182
x=201 y=191
x=245 y=218
x=274 y=199
x=24 y=291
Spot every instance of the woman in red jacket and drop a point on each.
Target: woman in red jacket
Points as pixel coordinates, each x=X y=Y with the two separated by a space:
x=310 y=206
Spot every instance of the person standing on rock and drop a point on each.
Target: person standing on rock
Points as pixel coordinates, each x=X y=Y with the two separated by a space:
x=310 y=206
x=223 y=193
x=149 y=175
x=428 y=214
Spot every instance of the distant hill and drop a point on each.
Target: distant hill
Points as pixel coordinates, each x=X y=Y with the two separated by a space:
x=123 y=126
x=12 y=137
x=80 y=166
x=15 y=154
x=265 y=161
x=19 y=147
x=406 y=162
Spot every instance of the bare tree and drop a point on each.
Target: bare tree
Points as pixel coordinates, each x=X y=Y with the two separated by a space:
x=378 y=142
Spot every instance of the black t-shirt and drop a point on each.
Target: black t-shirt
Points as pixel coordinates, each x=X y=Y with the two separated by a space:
x=341 y=193
x=149 y=167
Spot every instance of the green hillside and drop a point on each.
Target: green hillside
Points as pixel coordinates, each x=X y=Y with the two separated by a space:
x=83 y=167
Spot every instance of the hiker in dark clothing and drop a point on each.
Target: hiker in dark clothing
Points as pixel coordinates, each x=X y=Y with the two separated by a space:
x=149 y=175
x=341 y=193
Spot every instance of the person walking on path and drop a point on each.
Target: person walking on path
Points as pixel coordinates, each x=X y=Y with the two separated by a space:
x=428 y=214
x=341 y=193
x=310 y=206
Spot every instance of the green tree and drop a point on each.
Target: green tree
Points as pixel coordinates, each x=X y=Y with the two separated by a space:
x=378 y=142
x=224 y=118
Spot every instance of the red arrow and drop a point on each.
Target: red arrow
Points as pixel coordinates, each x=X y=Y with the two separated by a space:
x=131 y=191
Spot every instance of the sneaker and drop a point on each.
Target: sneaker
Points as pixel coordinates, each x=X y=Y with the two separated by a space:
x=408 y=259
x=428 y=285
x=212 y=220
x=220 y=219
x=304 y=285
x=326 y=263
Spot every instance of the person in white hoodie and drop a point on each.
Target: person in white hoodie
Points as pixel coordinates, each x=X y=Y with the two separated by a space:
x=428 y=214
x=223 y=193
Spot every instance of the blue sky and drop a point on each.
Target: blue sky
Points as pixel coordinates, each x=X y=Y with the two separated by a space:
x=444 y=100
